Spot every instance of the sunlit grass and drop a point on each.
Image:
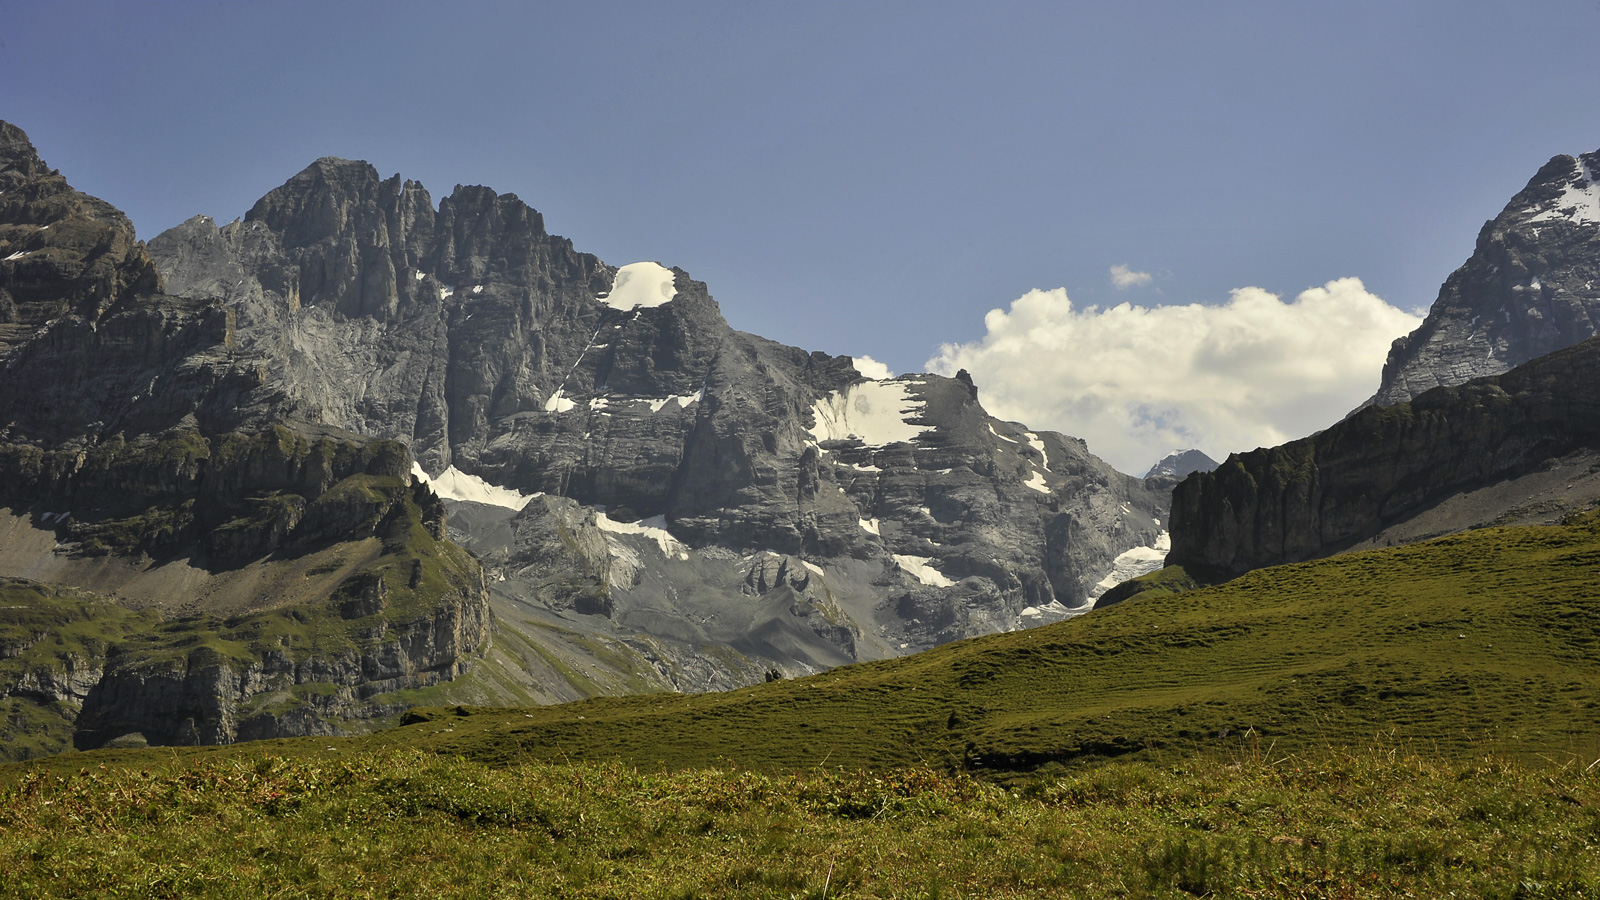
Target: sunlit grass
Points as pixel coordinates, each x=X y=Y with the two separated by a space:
x=1379 y=823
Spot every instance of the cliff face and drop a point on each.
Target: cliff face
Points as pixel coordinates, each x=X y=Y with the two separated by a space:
x=1532 y=286
x=249 y=574
x=1385 y=465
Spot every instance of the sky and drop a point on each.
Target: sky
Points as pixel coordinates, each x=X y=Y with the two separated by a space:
x=1152 y=225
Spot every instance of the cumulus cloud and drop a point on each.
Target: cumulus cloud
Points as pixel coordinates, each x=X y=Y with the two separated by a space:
x=1137 y=382
x=1123 y=277
x=871 y=368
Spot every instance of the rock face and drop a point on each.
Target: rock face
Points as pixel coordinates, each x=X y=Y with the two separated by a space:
x=261 y=575
x=1532 y=286
x=660 y=501
x=1464 y=456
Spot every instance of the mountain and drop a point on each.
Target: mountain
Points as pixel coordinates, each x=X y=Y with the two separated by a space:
x=1518 y=448
x=651 y=499
x=1482 y=416
x=1180 y=463
x=1531 y=286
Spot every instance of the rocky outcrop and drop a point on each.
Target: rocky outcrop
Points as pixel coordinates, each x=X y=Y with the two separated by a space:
x=222 y=499
x=412 y=612
x=236 y=686
x=1385 y=465
x=1532 y=286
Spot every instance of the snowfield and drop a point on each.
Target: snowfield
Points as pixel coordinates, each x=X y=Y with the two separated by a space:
x=454 y=484
x=654 y=528
x=876 y=412
x=1133 y=563
x=921 y=568
x=1580 y=202
x=641 y=284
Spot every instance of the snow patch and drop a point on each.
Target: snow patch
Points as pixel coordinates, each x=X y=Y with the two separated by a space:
x=17 y=255
x=859 y=467
x=445 y=292
x=1133 y=563
x=921 y=568
x=870 y=526
x=1001 y=436
x=599 y=403
x=639 y=284
x=558 y=403
x=1037 y=482
x=454 y=484
x=1579 y=202
x=477 y=289
x=876 y=412
x=683 y=400
x=654 y=528
x=1036 y=443
x=815 y=569
x=418 y=276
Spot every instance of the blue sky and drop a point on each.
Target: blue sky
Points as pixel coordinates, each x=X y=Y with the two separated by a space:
x=864 y=178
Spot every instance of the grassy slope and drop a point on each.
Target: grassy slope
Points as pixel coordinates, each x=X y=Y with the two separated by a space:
x=1374 y=702
x=1482 y=641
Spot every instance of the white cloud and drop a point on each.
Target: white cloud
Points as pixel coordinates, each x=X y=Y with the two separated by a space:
x=1123 y=277
x=1138 y=382
x=871 y=368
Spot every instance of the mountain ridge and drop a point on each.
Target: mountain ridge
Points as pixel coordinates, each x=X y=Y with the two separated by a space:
x=803 y=515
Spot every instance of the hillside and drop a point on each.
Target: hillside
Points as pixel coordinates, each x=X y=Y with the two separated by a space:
x=1480 y=641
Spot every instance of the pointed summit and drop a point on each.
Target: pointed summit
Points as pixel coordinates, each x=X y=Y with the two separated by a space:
x=1531 y=287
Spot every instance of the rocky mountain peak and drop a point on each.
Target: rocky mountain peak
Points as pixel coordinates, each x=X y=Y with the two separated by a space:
x=1531 y=286
x=62 y=252
x=325 y=199
x=17 y=154
x=1179 y=463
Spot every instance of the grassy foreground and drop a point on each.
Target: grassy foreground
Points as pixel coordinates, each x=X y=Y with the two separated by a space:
x=408 y=824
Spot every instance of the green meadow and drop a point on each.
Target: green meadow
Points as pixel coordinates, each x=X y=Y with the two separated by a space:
x=1419 y=721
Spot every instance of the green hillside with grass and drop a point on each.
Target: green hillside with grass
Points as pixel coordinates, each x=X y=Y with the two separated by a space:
x=1485 y=641
x=1412 y=722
